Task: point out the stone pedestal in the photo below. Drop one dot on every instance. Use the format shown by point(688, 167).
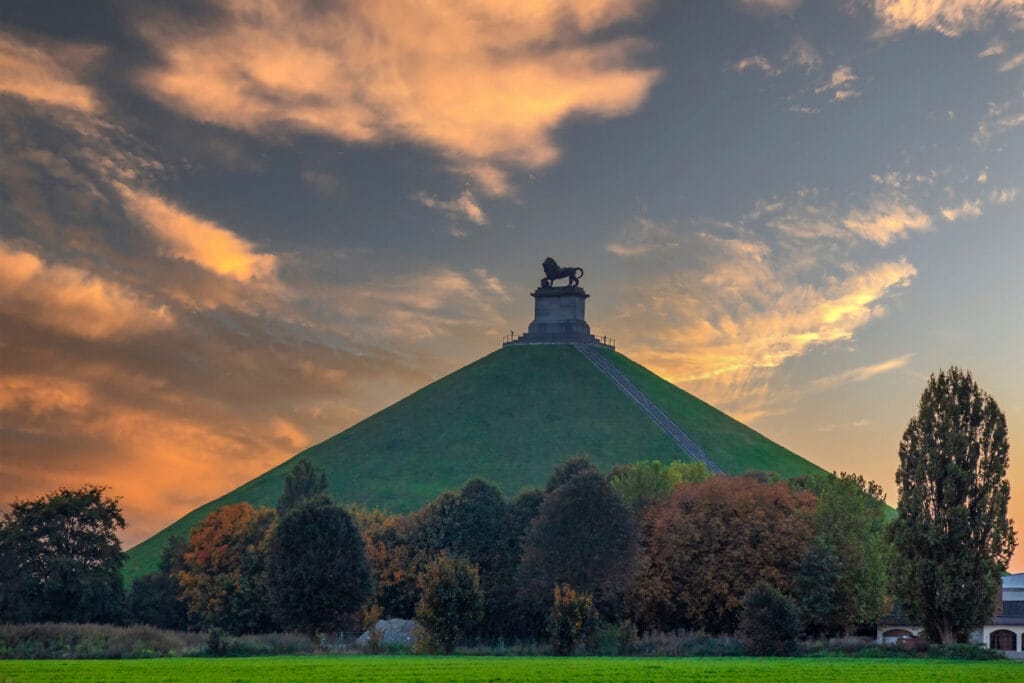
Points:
point(559, 317)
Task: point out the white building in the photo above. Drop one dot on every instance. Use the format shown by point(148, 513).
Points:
point(1004, 631)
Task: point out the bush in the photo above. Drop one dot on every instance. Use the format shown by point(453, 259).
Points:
point(573, 619)
point(93, 641)
point(451, 602)
point(963, 651)
point(770, 622)
point(686, 644)
point(614, 639)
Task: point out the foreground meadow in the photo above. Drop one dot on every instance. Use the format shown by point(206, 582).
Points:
point(420, 668)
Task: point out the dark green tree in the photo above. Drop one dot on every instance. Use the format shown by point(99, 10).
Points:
point(951, 537)
point(155, 598)
point(305, 480)
point(60, 558)
point(317, 572)
point(583, 536)
point(451, 601)
point(770, 622)
point(476, 523)
point(850, 537)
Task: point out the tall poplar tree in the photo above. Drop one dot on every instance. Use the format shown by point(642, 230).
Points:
point(952, 537)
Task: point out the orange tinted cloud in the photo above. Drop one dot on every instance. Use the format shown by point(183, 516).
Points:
point(949, 17)
point(47, 72)
point(183, 235)
point(485, 83)
point(72, 300)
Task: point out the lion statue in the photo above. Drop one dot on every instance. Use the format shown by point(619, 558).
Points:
point(552, 272)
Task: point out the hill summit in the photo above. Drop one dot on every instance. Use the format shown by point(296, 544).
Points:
point(509, 418)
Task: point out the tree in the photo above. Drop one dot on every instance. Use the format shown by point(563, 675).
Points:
point(849, 545)
point(222, 579)
point(583, 536)
point(305, 480)
point(60, 558)
point(392, 562)
point(770, 623)
point(317, 570)
point(572, 621)
point(451, 603)
point(476, 523)
point(952, 538)
point(711, 543)
point(154, 598)
point(649, 481)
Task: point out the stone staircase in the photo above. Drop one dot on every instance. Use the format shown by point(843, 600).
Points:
point(695, 452)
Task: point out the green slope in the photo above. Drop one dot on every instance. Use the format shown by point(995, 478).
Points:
point(509, 418)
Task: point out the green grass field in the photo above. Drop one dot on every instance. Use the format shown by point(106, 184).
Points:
point(410, 668)
point(508, 418)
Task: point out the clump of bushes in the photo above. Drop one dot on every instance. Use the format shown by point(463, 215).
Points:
point(221, 644)
point(573, 619)
point(687, 644)
point(770, 623)
point(93, 641)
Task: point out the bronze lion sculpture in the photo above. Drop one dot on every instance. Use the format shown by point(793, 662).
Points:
point(552, 272)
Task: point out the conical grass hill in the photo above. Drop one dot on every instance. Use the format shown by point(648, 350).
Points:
point(508, 418)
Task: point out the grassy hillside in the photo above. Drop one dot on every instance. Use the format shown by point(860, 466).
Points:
point(509, 418)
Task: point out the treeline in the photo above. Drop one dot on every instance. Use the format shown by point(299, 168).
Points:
point(643, 548)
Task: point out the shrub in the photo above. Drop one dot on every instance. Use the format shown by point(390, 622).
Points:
point(963, 651)
point(451, 603)
point(770, 622)
point(93, 641)
point(687, 644)
point(614, 639)
point(572, 621)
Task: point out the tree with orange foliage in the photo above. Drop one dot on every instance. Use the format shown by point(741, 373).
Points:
point(710, 543)
point(222, 580)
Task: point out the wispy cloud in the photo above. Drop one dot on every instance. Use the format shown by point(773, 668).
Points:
point(48, 72)
point(1000, 118)
point(948, 17)
point(203, 242)
point(1013, 62)
point(862, 373)
point(641, 236)
point(886, 219)
point(72, 300)
point(769, 6)
point(464, 206)
point(994, 48)
point(968, 209)
point(839, 84)
point(756, 62)
point(487, 90)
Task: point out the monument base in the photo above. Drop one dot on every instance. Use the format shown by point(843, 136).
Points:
point(559, 317)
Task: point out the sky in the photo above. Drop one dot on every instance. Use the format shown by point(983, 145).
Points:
point(229, 230)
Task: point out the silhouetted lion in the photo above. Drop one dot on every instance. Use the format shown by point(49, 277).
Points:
point(553, 272)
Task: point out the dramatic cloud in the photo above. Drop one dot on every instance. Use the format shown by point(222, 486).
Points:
point(487, 89)
point(886, 219)
point(48, 72)
point(464, 206)
point(72, 300)
point(203, 242)
point(949, 17)
point(745, 312)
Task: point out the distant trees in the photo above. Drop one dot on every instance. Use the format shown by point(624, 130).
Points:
point(649, 481)
point(451, 602)
point(222, 578)
point(952, 538)
point(317, 572)
point(583, 536)
point(710, 543)
point(60, 558)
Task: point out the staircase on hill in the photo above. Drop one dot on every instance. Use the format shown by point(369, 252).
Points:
point(695, 452)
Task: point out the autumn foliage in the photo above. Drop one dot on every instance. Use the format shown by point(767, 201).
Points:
point(710, 543)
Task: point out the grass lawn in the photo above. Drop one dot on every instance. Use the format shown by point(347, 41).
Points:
point(418, 668)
